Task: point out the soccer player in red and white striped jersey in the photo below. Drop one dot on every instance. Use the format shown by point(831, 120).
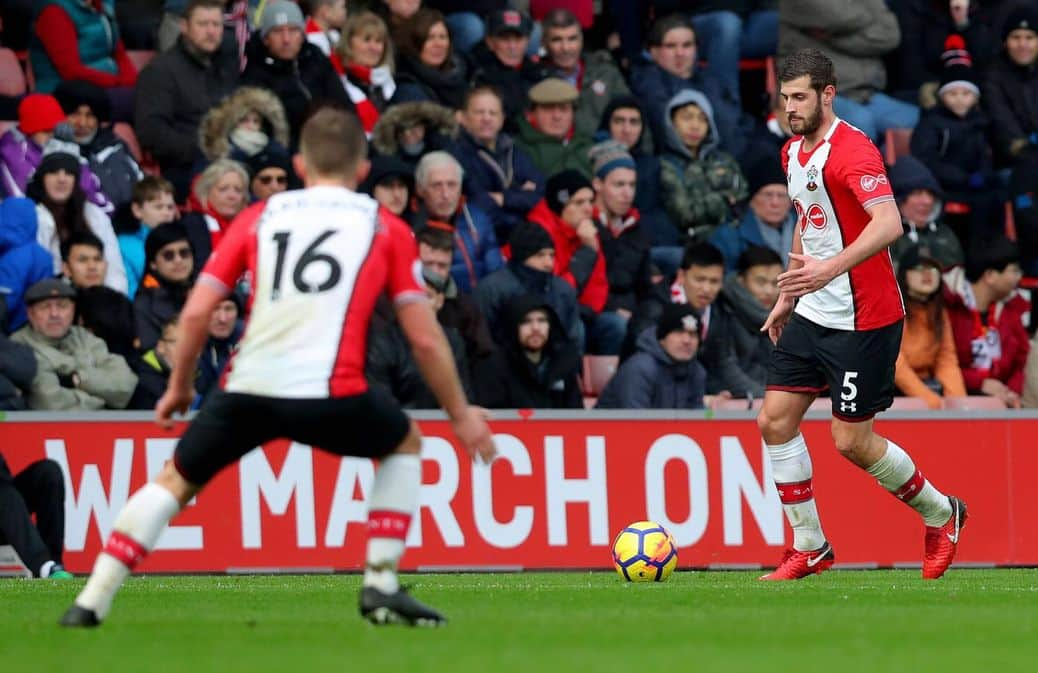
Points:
point(837, 324)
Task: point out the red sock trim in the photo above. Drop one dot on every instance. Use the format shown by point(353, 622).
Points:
point(125, 549)
point(911, 488)
point(795, 492)
point(385, 523)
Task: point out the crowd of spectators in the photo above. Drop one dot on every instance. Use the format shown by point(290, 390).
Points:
point(579, 184)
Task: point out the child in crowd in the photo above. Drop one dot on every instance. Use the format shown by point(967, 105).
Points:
point(699, 182)
point(152, 204)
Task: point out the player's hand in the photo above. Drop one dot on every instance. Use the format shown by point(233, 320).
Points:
point(472, 431)
point(176, 399)
point(778, 317)
point(812, 274)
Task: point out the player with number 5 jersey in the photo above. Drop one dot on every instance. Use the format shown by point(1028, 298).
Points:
point(837, 324)
point(318, 259)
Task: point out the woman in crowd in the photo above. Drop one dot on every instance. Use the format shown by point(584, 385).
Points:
point(219, 193)
point(429, 69)
point(365, 59)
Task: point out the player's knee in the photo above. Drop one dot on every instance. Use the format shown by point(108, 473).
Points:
point(775, 428)
point(170, 479)
point(412, 443)
point(849, 440)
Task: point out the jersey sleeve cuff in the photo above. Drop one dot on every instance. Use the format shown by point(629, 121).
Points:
point(876, 201)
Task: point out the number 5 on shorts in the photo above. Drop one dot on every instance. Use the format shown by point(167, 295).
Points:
point(849, 391)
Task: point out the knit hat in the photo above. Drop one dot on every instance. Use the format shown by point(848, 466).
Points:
point(958, 66)
point(677, 317)
point(916, 255)
point(1021, 18)
point(562, 186)
point(384, 167)
point(71, 94)
point(609, 155)
point(60, 160)
point(766, 170)
point(271, 156)
point(527, 239)
point(39, 112)
point(552, 91)
point(281, 13)
point(161, 236)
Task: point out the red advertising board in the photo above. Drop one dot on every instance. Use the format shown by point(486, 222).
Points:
point(555, 498)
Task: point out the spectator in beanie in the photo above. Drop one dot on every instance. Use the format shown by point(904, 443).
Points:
point(391, 182)
point(63, 209)
point(270, 172)
point(1011, 89)
point(664, 372)
point(918, 198)
point(89, 116)
point(22, 148)
point(171, 265)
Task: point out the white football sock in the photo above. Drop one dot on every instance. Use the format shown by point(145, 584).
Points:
point(136, 530)
point(896, 472)
point(394, 500)
point(791, 469)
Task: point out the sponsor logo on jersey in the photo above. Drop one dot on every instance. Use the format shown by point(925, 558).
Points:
point(870, 182)
point(816, 216)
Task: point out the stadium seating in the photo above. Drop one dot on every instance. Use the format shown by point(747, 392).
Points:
point(598, 369)
point(12, 77)
point(896, 143)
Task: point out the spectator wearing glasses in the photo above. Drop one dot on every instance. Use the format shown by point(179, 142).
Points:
point(270, 173)
point(171, 270)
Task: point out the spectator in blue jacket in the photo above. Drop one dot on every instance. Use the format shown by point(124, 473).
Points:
point(23, 261)
point(770, 220)
point(438, 179)
point(500, 178)
point(664, 372)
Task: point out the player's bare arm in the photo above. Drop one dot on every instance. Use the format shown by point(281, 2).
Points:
point(433, 355)
point(193, 328)
point(813, 274)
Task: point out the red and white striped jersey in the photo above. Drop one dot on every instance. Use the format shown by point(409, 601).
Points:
point(319, 258)
point(831, 188)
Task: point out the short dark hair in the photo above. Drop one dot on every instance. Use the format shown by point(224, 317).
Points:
point(701, 254)
point(995, 255)
point(482, 89)
point(193, 5)
point(560, 17)
point(437, 239)
point(668, 23)
point(81, 237)
point(811, 62)
point(150, 187)
point(109, 315)
point(757, 255)
point(332, 142)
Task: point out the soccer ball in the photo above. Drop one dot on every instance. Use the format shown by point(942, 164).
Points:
point(644, 552)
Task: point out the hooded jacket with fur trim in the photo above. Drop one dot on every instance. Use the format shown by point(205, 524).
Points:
point(215, 130)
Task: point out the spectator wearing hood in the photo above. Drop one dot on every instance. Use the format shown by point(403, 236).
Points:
point(225, 329)
point(171, 267)
point(1011, 89)
point(530, 270)
point(918, 198)
point(391, 182)
point(409, 131)
point(747, 298)
point(988, 317)
point(63, 209)
point(247, 123)
point(547, 133)
point(88, 114)
point(22, 147)
point(536, 366)
point(23, 261)
point(108, 315)
point(500, 178)
point(927, 365)
point(699, 182)
point(770, 221)
point(664, 372)
point(501, 61)
point(298, 73)
point(566, 212)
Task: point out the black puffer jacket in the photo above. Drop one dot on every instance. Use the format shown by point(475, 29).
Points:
point(628, 267)
point(513, 83)
point(391, 365)
point(1010, 95)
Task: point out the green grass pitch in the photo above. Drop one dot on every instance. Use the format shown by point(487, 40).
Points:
point(981, 621)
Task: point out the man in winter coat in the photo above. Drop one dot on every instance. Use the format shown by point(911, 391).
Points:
point(989, 319)
point(177, 88)
point(919, 199)
point(548, 135)
point(1011, 89)
point(225, 330)
point(530, 270)
point(664, 373)
point(75, 370)
point(23, 261)
point(501, 61)
point(280, 59)
point(536, 366)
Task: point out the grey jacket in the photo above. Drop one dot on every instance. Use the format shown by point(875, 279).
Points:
point(855, 34)
point(105, 380)
point(650, 379)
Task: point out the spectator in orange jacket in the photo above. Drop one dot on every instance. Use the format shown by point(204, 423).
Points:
point(565, 212)
point(988, 321)
point(927, 365)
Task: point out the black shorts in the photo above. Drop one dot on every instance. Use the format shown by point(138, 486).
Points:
point(229, 425)
point(856, 366)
